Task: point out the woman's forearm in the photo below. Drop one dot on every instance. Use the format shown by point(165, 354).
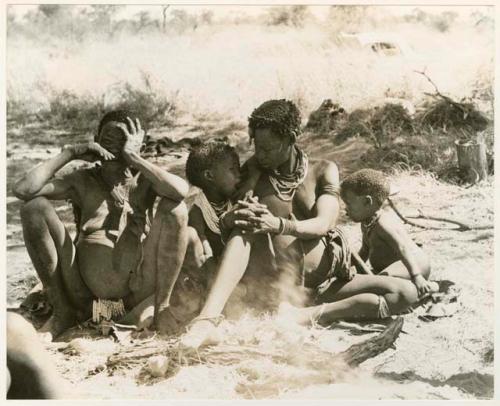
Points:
point(32, 182)
point(164, 183)
point(310, 228)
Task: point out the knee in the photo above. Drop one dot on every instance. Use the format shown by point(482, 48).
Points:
point(173, 212)
point(192, 235)
point(36, 208)
point(246, 237)
point(407, 293)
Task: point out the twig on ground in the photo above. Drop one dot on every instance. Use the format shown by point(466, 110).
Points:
point(461, 226)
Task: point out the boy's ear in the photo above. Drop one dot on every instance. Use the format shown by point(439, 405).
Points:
point(208, 175)
point(369, 200)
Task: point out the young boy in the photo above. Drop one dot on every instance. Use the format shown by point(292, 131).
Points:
point(214, 167)
point(386, 243)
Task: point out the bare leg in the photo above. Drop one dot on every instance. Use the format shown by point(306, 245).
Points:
point(142, 314)
point(31, 369)
point(232, 266)
point(359, 299)
point(377, 284)
point(164, 251)
point(399, 270)
point(52, 252)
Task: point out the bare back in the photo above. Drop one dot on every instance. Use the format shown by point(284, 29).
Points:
point(381, 251)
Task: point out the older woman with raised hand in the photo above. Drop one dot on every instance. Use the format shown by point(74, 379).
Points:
point(121, 251)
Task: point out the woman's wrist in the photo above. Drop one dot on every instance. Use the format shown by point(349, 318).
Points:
point(281, 225)
point(287, 227)
point(414, 276)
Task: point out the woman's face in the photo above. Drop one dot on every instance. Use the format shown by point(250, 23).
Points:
point(112, 138)
point(270, 149)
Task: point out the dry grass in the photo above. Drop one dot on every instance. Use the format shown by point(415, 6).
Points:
point(256, 63)
point(262, 356)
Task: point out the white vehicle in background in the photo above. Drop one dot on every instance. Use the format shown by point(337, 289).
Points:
point(390, 46)
point(387, 44)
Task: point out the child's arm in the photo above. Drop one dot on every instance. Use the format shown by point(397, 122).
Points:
point(203, 250)
point(363, 255)
point(398, 239)
point(364, 251)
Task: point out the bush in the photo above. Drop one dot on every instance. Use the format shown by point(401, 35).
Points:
point(154, 108)
point(294, 16)
point(70, 110)
point(389, 122)
point(83, 112)
point(381, 125)
point(424, 142)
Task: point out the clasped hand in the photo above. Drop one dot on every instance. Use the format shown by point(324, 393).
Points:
point(252, 217)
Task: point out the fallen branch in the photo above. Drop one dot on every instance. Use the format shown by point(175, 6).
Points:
point(358, 353)
point(461, 226)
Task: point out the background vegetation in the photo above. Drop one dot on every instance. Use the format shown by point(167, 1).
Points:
point(68, 64)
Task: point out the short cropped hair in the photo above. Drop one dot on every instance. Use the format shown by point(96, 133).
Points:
point(281, 116)
point(119, 116)
point(367, 182)
point(205, 156)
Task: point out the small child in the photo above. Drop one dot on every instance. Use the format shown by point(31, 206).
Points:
point(386, 243)
point(214, 167)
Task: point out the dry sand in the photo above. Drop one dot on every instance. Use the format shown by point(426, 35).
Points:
point(450, 358)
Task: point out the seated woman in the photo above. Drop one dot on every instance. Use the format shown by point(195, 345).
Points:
point(297, 209)
point(122, 250)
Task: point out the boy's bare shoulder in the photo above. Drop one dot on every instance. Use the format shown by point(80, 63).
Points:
point(388, 222)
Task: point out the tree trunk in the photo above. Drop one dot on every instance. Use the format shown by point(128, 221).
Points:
point(472, 160)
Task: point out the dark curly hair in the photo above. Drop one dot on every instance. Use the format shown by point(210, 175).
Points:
point(204, 156)
point(119, 116)
point(281, 116)
point(367, 182)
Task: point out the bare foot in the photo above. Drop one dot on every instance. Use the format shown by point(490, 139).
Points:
point(201, 333)
point(434, 287)
point(56, 325)
point(294, 314)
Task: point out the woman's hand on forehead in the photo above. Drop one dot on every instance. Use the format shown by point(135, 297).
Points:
point(134, 134)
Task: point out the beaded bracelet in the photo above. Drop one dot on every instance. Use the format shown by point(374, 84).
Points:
point(281, 227)
point(287, 226)
point(290, 227)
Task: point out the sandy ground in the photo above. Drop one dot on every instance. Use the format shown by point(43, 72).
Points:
point(449, 358)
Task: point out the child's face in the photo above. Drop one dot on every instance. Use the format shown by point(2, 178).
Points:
point(226, 176)
point(358, 208)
